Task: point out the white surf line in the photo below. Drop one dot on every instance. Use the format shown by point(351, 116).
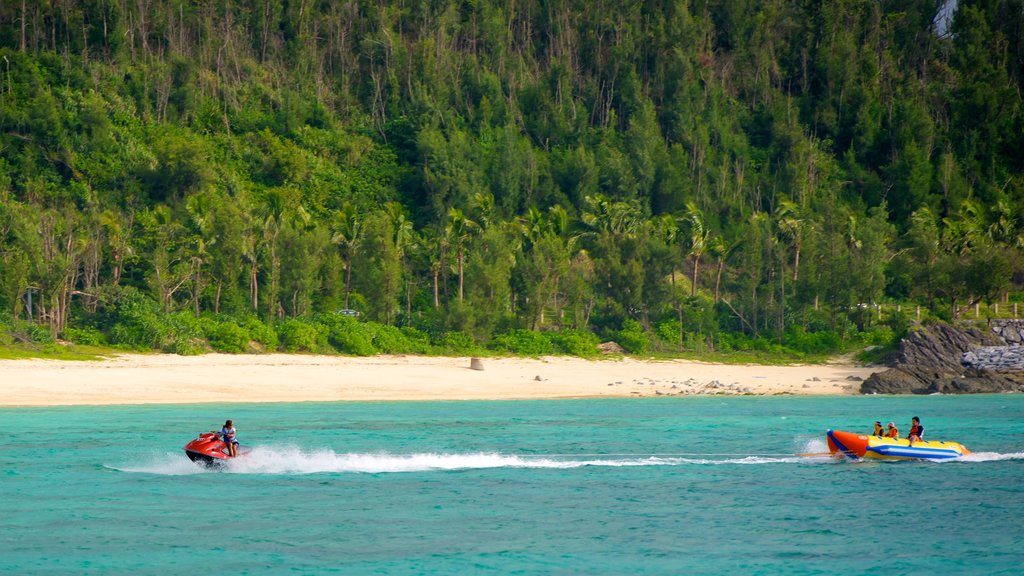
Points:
point(656, 455)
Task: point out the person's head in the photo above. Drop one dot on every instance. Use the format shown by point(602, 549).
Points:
point(878, 423)
point(229, 424)
point(892, 424)
point(915, 420)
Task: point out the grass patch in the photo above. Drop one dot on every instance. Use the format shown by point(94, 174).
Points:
point(741, 357)
point(55, 352)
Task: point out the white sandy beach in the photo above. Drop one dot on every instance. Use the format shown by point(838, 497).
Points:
point(170, 379)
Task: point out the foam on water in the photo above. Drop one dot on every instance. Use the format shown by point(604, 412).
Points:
point(991, 456)
point(293, 460)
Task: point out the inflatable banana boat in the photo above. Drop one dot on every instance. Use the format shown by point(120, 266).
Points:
point(853, 445)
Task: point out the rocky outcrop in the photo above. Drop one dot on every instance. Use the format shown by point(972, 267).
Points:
point(931, 360)
point(1011, 331)
point(995, 358)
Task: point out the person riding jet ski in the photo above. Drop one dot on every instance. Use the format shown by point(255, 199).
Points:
point(227, 433)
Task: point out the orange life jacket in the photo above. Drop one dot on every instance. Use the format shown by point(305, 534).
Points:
point(894, 432)
point(914, 431)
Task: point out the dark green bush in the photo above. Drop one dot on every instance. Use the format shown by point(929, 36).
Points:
point(302, 336)
point(740, 342)
point(391, 340)
point(261, 333)
point(185, 334)
point(525, 342)
point(458, 343)
point(226, 336)
point(85, 336)
point(37, 333)
point(348, 335)
point(825, 342)
point(580, 343)
point(879, 336)
point(136, 321)
point(633, 338)
point(419, 340)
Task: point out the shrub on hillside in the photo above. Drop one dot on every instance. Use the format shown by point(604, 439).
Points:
point(261, 333)
point(880, 336)
point(348, 335)
point(85, 336)
point(135, 321)
point(391, 340)
point(298, 335)
point(457, 343)
point(582, 343)
point(418, 339)
point(633, 338)
point(727, 342)
point(825, 342)
point(526, 342)
point(185, 335)
point(36, 333)
point(226, 336)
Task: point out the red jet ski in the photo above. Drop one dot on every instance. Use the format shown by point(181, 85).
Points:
point(209, 449)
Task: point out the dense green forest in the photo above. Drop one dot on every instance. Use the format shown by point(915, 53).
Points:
point(520, 174)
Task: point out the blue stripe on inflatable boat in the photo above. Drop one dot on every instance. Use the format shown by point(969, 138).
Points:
point(911, 452)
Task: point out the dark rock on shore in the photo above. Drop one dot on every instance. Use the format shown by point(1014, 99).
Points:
point(931, 360)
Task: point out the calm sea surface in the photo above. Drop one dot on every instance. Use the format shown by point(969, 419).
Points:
point(631, 486)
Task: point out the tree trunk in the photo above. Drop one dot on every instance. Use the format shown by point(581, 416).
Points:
point(23, 18)
point(460, 273)
point(796, 263)
point(444, 276)
point(348, 280)
point(254, 287)
point(718, 278)
point(680, 309)
point(782, 299)
point(197, 286)
point(408, 301)
point(437, 300)
point(275, 275)
point(693, 288)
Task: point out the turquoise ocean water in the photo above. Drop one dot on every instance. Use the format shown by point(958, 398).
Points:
point(631, 486)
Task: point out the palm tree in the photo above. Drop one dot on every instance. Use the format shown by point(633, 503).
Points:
point(405, 238)
point(1005, 227)
point(699, 235)
point(605, 215)
point(273, 215)
point(348, 233)
point(964, 232)
point(250, 246)
point(721, 249)
point(119, 234)
point(791, 225)
point(458, 231)
point(200, 214)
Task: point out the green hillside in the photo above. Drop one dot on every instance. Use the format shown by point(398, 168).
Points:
point(525, 175)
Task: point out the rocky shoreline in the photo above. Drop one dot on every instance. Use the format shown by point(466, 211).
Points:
point(943, 359)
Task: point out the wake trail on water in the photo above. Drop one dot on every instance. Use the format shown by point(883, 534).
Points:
point(991, 457)
point(295, 460)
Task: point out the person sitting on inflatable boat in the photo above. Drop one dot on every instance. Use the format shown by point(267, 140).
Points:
point(879, 431)
point(916, 433)
point(893, 431)
point(228, 434)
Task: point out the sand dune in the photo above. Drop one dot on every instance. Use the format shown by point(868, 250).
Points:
point(160, 379)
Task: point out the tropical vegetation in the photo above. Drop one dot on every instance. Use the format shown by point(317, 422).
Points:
point(530, 176)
